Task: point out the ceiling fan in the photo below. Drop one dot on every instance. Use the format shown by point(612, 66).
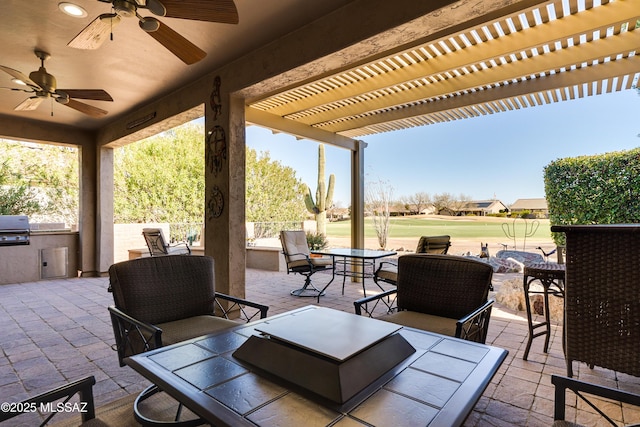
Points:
point(43, 86)
point(94, 34)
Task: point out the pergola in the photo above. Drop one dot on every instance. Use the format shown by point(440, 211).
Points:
point(342, 71)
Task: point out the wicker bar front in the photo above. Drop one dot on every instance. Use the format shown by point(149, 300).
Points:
point(602, 296)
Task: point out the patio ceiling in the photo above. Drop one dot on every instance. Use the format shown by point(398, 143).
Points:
point(556, 51)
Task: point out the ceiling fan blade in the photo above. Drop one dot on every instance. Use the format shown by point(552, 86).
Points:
point(87, 109)
point(95, 94)
point(30, 104)
point(178, 45)
point(94, 34)
point(17, 89)
point(202, 10)
point(19, 76)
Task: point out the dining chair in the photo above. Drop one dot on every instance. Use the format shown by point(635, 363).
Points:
point(446, 294)
point(299, 260)
point(387, 271)
point(158, 245)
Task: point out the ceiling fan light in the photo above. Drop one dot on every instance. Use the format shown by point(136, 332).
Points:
point(72, 10)
point(149, 24)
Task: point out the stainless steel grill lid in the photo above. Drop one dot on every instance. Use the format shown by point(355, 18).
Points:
point(14, 230)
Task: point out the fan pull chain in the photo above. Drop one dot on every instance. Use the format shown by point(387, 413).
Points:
point(51, 107)
point(111, 25)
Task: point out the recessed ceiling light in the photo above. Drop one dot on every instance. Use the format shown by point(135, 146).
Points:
point(72, 10)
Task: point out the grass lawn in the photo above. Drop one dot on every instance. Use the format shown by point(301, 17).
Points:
point(456, 227)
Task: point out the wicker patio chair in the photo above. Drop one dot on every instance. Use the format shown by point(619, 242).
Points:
point(602, 307)
point(165, 300)
point(158, 246)
point(388, 270)
point(299, 261)
point(445, 294)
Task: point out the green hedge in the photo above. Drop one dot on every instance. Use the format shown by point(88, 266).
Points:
point(600, 189)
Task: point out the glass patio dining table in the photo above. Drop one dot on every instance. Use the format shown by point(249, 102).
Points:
point(358, 264)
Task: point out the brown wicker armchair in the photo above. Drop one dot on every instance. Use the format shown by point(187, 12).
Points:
point(164, 300)
point(602, 307)
point(440, 293)
point(388, 270)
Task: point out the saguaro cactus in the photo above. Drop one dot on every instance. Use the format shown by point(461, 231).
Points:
point(324, 195)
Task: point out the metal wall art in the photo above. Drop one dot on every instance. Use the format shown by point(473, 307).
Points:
point(215, 100)
point(216, 202)
point(216, 149)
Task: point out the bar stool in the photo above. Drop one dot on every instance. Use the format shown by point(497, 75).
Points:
point(551, 276)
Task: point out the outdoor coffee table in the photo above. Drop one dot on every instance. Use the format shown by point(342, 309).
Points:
point(353, 263)
point(437, 384)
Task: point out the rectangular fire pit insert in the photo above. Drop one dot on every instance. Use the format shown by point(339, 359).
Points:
point(331, 353)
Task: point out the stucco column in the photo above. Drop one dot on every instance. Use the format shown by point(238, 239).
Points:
point(104, 212)
point(87, 158)
point(225, 232)
point(357, 195)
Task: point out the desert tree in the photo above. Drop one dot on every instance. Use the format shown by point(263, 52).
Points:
point(418, 201)
point(379, 197)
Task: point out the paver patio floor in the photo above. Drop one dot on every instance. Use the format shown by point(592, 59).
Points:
point(56, 331)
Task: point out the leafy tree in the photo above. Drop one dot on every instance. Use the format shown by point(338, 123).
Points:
point(161, 178)
point(39, 180)
point(274, 193)
point(16, 197)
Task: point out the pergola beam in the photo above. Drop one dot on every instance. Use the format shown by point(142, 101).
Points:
point(299, 130)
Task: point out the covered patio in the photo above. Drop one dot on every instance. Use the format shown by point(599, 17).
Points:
point(332, 72)
point(58, 331)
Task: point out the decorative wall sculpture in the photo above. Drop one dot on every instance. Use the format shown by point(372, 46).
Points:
point(216, 149)
point(215, 101)
point(215, 206)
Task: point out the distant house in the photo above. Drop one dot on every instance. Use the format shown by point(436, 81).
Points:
point(537, 207)
point(482, 207)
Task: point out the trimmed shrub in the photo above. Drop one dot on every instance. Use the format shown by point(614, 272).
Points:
point(600, 189)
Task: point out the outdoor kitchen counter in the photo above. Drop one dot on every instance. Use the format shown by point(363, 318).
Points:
point(23, 263)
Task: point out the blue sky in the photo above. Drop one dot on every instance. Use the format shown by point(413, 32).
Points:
point(501, 154)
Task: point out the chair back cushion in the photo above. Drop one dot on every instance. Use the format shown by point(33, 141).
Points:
point(442, 285)
point(164, 289)
point(294, 245)
point(433, 245)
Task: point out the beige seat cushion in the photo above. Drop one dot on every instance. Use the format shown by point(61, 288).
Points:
point(184, 329)
point(388, 272)
point(322, 261)
point(426, 322)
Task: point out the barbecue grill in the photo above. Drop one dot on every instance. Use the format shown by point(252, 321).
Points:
point(14, 230)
